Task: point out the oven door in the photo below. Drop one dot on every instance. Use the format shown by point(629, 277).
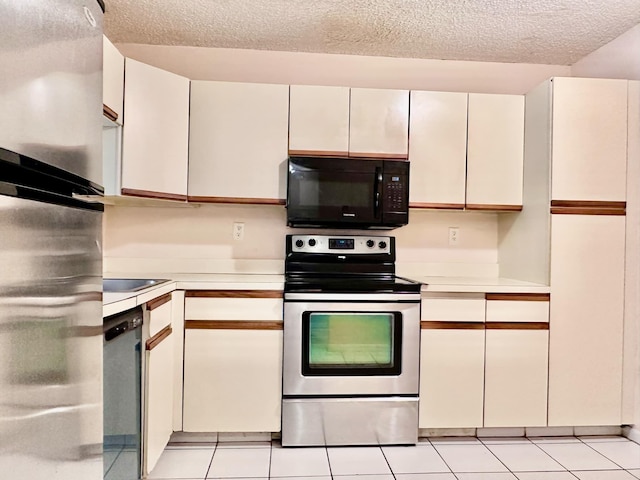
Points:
point(339, 347)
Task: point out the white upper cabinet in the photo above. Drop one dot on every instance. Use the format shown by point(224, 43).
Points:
point(589, 139)
point(379, 124)
point(238, 142)
point(112, 80)
point(319, 120)
point(495, 151)
point(156, 134)
point(438, 149)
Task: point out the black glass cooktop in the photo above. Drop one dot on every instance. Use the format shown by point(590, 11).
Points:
point(350, 284)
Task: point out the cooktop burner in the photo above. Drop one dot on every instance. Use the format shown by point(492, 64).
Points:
point(340, 263)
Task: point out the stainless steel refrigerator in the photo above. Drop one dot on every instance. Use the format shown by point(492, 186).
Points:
point(50, 240)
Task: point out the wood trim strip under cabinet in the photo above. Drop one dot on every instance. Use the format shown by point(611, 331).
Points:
point(517, 326)
point(520, 297)
point(158, 302)
point(587, 207)
point(132, 192)
point(233, 325)
point(493, 208)
point(154, 341)
point(109, 113)
point(435, 325)
point(437, 206)
point(317, 153)
point(234, 294)
point(238, 200)
point(385, 156)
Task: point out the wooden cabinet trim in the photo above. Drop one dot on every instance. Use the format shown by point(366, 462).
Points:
point(517, 326)
point(109, 113)
point(318, 153)
point(154, 341)
point(437, 206)
point(588, 207)
point(234, 294)
point(385, 156)
point(158, 302)
point(132, 192)
point(493, 208)
point(238, 200)
point(519, 297)
point(435, 325)
point(233, 325)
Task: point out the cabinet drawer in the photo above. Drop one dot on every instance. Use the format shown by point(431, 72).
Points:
point(517, 311)
point(453, 308)
point(233, 309)
point(160, 310)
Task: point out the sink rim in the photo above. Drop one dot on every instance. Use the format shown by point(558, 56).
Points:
point(142, 284)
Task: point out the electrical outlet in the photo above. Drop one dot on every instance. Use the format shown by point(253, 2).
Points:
point(454, 235)
point(238, 231)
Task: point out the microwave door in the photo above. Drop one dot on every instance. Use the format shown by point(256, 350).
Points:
point(323, 198)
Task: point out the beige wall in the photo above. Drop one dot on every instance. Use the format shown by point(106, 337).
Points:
point(619, 58)
point(259, 66)
point(187, 238)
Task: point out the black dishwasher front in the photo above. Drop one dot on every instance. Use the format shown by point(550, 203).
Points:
point(122, 357)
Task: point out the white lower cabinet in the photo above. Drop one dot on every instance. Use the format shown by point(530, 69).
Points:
point(451, 378)
point(159, 381)
point(232, 380)
point(516, 364)
point(587, 308)
point(233, 361)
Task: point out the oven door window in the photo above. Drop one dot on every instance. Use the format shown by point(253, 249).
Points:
point(351, 343)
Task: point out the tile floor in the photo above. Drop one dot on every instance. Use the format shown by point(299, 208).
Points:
point(538, 458)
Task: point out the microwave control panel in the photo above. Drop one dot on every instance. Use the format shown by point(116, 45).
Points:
point(395, 193)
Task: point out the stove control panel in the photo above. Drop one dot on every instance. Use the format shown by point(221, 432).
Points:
point(338, 244)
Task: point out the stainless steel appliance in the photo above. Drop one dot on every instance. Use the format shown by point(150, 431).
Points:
point(347, 193)
point(50, 241)
point(351, 343)
point(122, 354)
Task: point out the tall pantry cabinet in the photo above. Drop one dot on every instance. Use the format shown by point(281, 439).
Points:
point(584, 128)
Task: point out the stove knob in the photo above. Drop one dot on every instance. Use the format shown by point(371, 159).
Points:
point(299, 243)
point(312, 242)
point(370, 243)
point(382, 244)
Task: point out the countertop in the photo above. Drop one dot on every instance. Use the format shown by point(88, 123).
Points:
point(118, 302)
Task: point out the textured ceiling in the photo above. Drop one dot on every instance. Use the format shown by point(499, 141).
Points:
point(530, 31)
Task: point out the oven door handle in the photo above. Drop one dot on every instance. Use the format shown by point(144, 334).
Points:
point(353, 297)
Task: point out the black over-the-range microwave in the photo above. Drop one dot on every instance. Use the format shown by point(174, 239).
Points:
point(341, 192)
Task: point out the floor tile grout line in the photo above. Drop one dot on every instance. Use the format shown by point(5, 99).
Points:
point(215, 448)
point(388, 464)
point(496, 457)
point(270, 457)
point(601, 454)
point(442, 458)
point(326, 451)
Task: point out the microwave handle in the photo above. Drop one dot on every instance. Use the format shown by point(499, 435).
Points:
point(377, 193)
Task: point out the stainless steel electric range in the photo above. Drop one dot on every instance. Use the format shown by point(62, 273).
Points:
point(351, 343)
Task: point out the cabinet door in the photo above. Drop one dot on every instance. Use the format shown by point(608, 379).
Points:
point(379, 124)
point(587, 288)
point(515, 377)
point(232, 380)
point(451, 377)
point(319, 120)
point(495, 151)
point(158, 424)
point(155, 136)
point(438, 149)
point(112, 80)
point(589, 141)
point(238, 142)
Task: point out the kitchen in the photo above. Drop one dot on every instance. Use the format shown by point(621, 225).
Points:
point(179, 239)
